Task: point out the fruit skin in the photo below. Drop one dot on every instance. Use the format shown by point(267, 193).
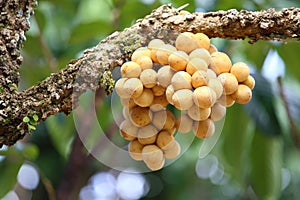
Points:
point(153, 157)
point(135, 150)
point(158, 90)
point(144, 62)
point(140, 116)
point(204, 129)
point(218, 111)
point(163, 120)
point(148, 78)
point(159, 103)
point(164, 138)
point(130, 70)
point(147, 134)
point(181, 80)
point(163, 52)
point(229, 82)
point(184, 123)
point(199, 79)
point(221, 63)
point(183, 99)
point(202, 40)
point(201, 53)
point(198, 114)
point(242, 95)
point(164, 76)
point(119, 86)
point(172, 150)
point(216, 85)
point(250, 82)
point(142, 51)
point(169, 94)
point(204, 97)
point(226, 100)
point(128, 130)
point(145, 99)
point(212, 49)
point(196, 64)
point(186, 42)
point(133, 88)
point(241, 71)
point(178, 60)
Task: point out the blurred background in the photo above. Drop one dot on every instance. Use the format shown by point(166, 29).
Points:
point(256, 157)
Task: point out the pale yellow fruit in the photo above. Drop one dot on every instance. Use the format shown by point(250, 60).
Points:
point(216, 85)
point(133, 88)
point(164, 76)
point(127, 130)
point(242, 95)
point(119, 86)
point(218, 111)
point(184, 12)
point(250, 82)
point(181, 80)
point(183, 123)
point(140, 116)
point(186, 42)
point(127, 102)
point(212, 49)
point(135, 150)
point(241, 71)
point(199, 79)
point(170, 121)
point(144, 62)
point(153, 46)
point(163, 119)
point(153, 157)
point(204, 97)
point(172, 150)
point(169, 93)
point(196, 64)
point(164, 138)
point(183, 99)
point(130, 70)
point(142, 51)
point(159, 103)
point(158, 90)
point(210, 74)
point(148, 78)
point(198, 114)
point(147, 134)
point(126, 112)
point(178, 60)
point(229, 82)
point(145, 99)
point(202, 40)
point(221, 63)
point(226, 100)
point(201, 53)
point(163, 52)
point(204, 129)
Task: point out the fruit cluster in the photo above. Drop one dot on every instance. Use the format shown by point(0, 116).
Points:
point(193, 77)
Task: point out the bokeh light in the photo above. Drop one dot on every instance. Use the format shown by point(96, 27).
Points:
point(12, 195)
point(28, 177)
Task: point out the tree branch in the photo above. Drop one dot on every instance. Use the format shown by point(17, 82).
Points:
point(61, 90)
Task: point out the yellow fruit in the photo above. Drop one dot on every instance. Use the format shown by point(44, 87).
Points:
point(242, 95)
point(164, 138)
point(158, 90)
point(145, 99)
point(133, 88)
point(221, 63)
point(147, 134)
point(201, 53)
point(216, 85)
point(135, 150)
point(183, 99)
point(142, 51)
point(204, 97)
point(153, 46)
point(241, 71)
point(211, 74)
point(126, 112)
point(178, 60)
point(218, 111)
point(196, 64)
point(229, 82)
point(119, 86)
point(159, 103)
point(144, 62)
point(202, 40)
point(153, 157)
point(199, 79)
point(164, 76)
point(148, 78)
point(204, 129)
point(163, 52)
point(169, 93)
point(186, 42)
point(128, 130)
point(184, 123)
point(130, 70)
point(127, 102)
point(140, 116)
point(212, 49)
point(226, 100)
point(198, 114)
point(172, 150)
point(250, 82)
point(181, 80)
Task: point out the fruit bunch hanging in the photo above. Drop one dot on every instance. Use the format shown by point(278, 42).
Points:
point(193, 77)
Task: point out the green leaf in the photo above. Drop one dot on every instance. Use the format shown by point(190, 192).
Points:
point(266, 164)
point(30, 152)
point(35, 118)
point(26, 119)
point(31, 127)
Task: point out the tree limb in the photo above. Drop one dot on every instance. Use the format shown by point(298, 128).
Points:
point(60, 91)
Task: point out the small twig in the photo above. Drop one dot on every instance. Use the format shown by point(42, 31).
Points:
point(293, 129)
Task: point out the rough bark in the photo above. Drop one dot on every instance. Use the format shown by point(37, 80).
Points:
point(59, 91)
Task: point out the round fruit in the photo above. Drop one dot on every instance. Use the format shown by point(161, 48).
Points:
point(153, 157)
point(181, 80)
point(198, 114)
point(164, 76)
point(144, 62)
point(178, 60)
point(158, 90)
point(204, 129)
point(242, 95)
point(241, 71)
point(147, 134)
point(204, 97)
point(172, 150)
point(186, 42)
point(229, 82)
point(183, 99)
point(153, 46)
point(127, 102)
point(250, 82)
point(148, 78)
point(184, 123)
point(142, 51)
point(163, 53)
point(128, 130)
point(133, 88)
point(212, 49)
point(218, 111)
point(199, 79)
point(169, 94)
point(159, 103)
point(135, 150)
point(201, 53)
point(211, 74)
point(145, 99)
point(226, 100)
point(216, 85)
point(130, 70)
point(202, 40)
point(164, 138)
point(120, 87)
point(140, 116)
point(221, 63)
point(196, 64)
